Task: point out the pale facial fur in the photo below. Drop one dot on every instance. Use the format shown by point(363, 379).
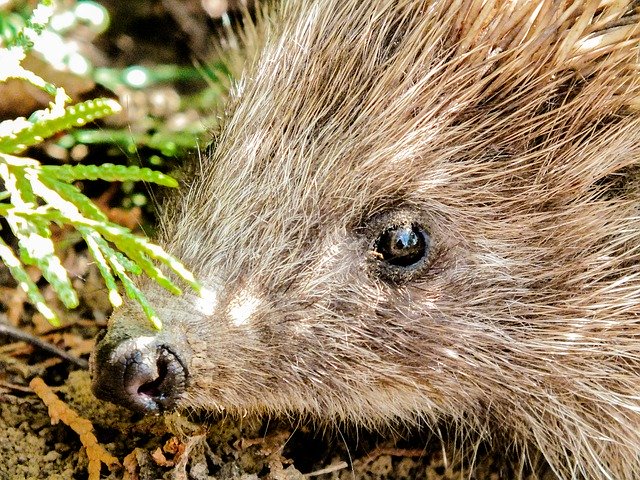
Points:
point(509, 130)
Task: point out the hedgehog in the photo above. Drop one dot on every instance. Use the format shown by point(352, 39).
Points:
point(417, 212)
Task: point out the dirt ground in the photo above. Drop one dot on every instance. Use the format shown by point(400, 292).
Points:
point(191, 445)
point(203, 447)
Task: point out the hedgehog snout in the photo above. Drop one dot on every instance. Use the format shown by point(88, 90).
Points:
point(143, 374)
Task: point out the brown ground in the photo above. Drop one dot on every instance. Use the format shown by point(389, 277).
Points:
point(204, 446)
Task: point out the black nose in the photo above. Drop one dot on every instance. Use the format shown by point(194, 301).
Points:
point(138, 374)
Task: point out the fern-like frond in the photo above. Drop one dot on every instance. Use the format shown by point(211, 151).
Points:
point(29, 184)
point(17, 135)
point(109, 173)
point(33, 235)
point(24, 281)
point(35, 197)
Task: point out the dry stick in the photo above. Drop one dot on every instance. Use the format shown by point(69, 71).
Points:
point(330, 469)
point(18, 334)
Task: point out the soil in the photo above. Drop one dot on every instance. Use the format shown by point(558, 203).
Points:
point(207, 447)
point(191, 445)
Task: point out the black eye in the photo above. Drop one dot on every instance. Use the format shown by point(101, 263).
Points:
point(402, 245)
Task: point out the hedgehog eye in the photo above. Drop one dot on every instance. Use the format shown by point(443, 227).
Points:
point(402, 245)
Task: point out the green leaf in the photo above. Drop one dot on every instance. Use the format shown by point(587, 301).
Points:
point(33, 235)
point(93, 243)
point(38, 250)
point(46, 123)
point(138, 256)
point(136, 294)
point(172, 262)
point(109, 173)
point(25, 282)
point(128, 265)
point(168, 143)
point(73, 195)
point(124, 240)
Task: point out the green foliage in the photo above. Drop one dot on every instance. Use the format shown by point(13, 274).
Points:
point(19, 134)
point(167, 143)
point(35, 196)
point(34, 25)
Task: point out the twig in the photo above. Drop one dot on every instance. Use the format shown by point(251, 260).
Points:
point(18, 334)
point(329, 469)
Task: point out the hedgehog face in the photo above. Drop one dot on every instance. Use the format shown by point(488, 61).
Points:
point(412, 215)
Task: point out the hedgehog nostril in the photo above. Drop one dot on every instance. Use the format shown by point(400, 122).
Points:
point(169, 378)
point(153, 380)
point(154, 387)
